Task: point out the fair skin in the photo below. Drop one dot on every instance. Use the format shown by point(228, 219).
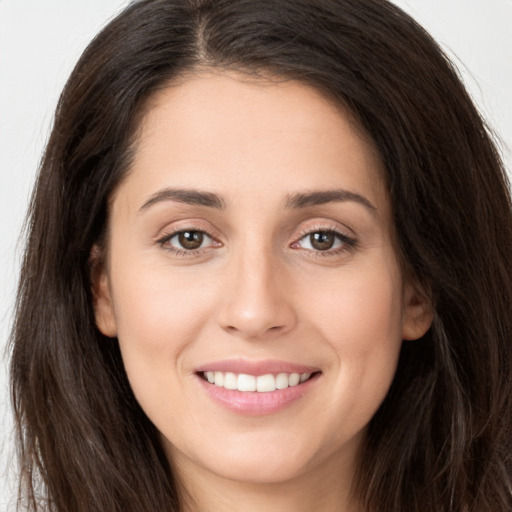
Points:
point(271, 278)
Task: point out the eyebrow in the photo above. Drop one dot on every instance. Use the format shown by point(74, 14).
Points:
point(320, 197)
point(187, 196)
point(294, 201)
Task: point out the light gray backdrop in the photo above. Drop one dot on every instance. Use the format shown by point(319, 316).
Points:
point(41, 40)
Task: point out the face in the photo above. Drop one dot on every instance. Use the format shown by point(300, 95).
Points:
point(252, 281)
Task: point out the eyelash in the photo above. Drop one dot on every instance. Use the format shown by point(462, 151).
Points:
point(348, 243)
point(184, 253)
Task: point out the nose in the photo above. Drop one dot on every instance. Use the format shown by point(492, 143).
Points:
point(257, 301)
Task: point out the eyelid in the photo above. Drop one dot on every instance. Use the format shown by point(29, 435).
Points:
point(169, 232)
point(349, 242)
point(325, 225)
point(187, 224)
point(171, 236)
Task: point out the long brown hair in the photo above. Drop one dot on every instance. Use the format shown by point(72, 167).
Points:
point(442, 438)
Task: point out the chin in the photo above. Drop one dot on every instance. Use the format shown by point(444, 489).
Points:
point(267, 458)
point(257, 470)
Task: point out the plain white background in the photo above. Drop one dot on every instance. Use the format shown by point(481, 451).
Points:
point(41, 41)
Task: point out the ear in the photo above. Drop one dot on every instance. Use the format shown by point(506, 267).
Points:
point(102, 300)
point(418, 312)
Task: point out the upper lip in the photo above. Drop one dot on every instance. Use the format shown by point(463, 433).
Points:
point(251, 367)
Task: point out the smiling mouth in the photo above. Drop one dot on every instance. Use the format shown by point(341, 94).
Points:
point(259, 384)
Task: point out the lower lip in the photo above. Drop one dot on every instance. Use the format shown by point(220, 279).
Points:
point(254, 403)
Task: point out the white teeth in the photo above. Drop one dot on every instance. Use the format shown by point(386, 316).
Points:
point(265, 383)
point(282, 381)
point(294, 379)
point(261, 383)
point(230, 381)
point(246, 382)
point(219, 379)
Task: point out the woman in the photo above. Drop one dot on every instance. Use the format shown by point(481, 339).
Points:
point(268, 268)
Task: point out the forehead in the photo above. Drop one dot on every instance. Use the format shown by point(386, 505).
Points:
point(228, 133)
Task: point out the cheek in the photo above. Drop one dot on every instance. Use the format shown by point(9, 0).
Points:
point(362, 325)
point(359, 311)
point(158, 314)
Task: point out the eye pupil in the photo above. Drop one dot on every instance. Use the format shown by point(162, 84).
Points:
point(191, 239)
point(322, 240)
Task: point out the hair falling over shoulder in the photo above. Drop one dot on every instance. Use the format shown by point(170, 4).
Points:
point(442, 438)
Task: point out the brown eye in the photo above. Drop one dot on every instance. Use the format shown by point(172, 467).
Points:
point(326, 241)
point(322, 240)
point(190, 240)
